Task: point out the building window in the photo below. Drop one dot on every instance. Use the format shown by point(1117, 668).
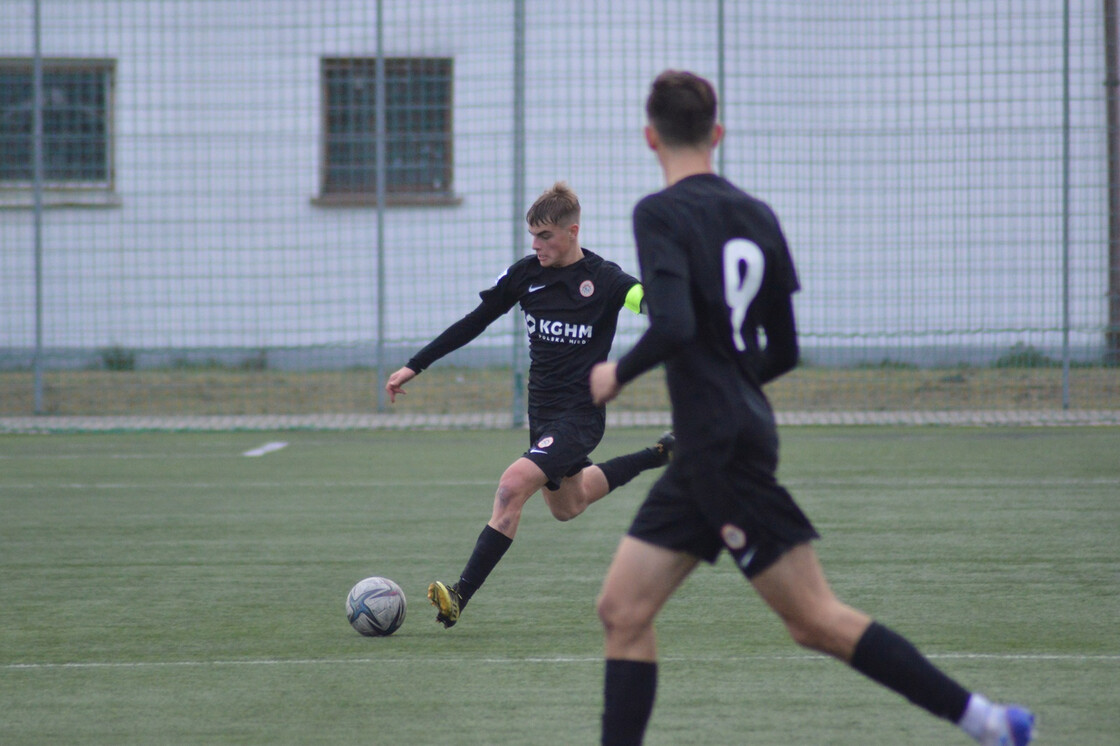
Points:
point(77, 124)
point(418, 136)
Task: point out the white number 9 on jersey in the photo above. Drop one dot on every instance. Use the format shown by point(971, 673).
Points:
point(743, 267)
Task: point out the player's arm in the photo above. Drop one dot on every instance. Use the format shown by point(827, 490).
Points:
point(396, 382)
point(665, 276)
point(782, 350)
point(455, 336)
point(655, 345)
point(626, 289)
point(635, 298)
point(777, 320)
point(671, 324)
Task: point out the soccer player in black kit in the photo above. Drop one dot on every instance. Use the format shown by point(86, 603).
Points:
point(571, 298)
point(718, 279)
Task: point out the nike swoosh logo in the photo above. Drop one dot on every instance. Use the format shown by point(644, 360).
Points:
point(535, 288)
point(746, 559)
point(537, 450)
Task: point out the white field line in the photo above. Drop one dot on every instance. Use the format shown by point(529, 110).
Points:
point(443, 660)
point(234, 484)
point(114, 456)
point(265, 449)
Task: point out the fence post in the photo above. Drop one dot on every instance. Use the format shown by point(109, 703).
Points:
point(37, 180)
point(379, 95)
point(721, 82)
point(517, 399)
point(1112, 134)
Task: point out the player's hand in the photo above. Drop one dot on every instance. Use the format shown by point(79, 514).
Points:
point(604, 383)
point(396, 382)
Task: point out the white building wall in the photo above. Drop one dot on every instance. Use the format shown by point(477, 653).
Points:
point(913, 156)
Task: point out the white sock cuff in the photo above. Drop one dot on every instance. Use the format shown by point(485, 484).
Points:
point(975, 716)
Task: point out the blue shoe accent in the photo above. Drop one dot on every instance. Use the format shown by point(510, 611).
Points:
point(1020, 725)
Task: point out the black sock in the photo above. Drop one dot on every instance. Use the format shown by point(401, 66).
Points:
point(621, 469)
point(888, 658)
point(488, 551)
point(628, 691)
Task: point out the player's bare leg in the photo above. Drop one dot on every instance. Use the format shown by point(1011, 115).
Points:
point(640, 580)
point(520, 481)
point(578, 492)
point(517, 484)
point(795, 587)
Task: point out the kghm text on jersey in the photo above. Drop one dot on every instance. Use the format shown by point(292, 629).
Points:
point(557, 331)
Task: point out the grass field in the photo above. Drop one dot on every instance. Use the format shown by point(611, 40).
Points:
point(164, 588)
point(452, 390)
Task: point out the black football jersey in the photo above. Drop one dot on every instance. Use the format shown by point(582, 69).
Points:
point(570, 313)
point(714, 262)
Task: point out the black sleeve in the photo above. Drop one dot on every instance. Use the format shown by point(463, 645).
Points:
point(653, 347)
point(460, 333)
point(665, 278)
point(624, 283)
point(782, 351)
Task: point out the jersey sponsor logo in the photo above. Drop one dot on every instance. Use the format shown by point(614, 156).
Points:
point(557, 331)
point(545, 442)
point(535, 288)
point(587, 288)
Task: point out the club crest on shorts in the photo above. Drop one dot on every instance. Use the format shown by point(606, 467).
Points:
point(587, 288)
point(734, 537)
point(545, 442)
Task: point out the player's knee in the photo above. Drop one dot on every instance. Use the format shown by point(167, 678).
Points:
point(619, 618)
point(608, 612)
point(567, 502)
point(816, 633)
point(804, 634)
point(509, 498)
point(562, 513)
point(565, 510)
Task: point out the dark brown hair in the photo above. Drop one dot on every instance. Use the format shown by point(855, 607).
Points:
point(682, 108)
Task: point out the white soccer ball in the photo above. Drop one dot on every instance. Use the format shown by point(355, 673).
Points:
point(375, 607)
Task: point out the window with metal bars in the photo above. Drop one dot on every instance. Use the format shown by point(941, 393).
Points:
point(77, 123)
point(418, 130)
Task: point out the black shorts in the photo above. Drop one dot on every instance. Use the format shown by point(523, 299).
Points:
point(561, 446)
point(701, 506)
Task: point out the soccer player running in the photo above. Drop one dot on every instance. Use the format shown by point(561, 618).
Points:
point(571, 298)
point(718, 278)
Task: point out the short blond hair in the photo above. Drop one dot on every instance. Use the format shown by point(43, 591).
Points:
point(557, 206)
